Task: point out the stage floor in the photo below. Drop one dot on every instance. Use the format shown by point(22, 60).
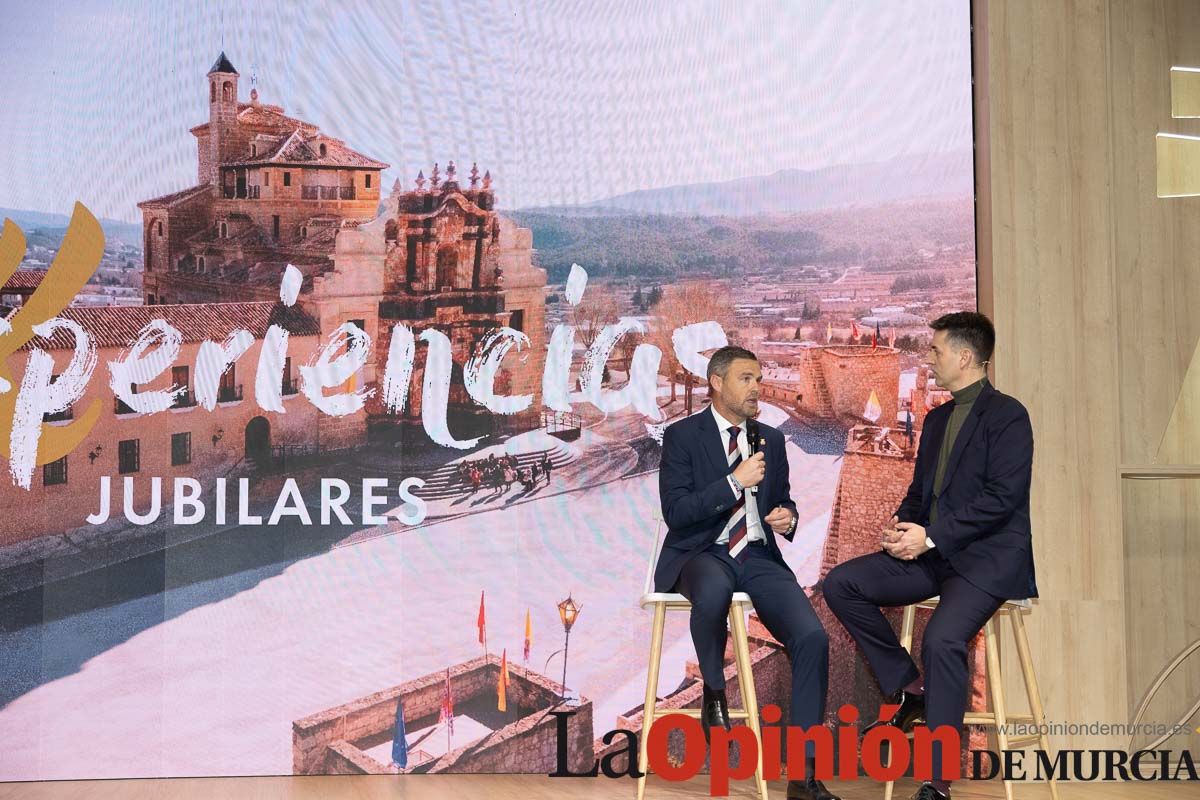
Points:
point(525, 787)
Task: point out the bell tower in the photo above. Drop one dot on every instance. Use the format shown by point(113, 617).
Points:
point(222, 115)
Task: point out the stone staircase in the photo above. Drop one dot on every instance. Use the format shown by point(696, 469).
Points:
point(822, 403)
point(829, 554)
point(817, 404)
point(443, 482)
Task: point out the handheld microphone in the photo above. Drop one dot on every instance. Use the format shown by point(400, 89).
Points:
point(755, 440)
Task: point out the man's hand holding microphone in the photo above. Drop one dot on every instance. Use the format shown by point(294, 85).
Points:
point(749, 474)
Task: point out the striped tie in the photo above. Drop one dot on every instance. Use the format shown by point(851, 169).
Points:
point(736, 526)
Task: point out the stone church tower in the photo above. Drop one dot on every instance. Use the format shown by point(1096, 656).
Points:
point(222, 119)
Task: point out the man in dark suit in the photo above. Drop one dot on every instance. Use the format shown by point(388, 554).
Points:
point(962, 532)
point(725, 496)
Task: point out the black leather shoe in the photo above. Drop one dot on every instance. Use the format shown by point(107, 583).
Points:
point(927, 792)
point(910, 712)
point(810, 789)
point(714, 711)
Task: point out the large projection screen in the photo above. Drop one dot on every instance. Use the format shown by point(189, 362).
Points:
point(386, 307)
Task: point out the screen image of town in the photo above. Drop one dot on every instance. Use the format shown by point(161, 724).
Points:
point(437, 183)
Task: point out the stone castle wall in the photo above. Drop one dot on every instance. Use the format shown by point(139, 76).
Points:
point(852, 372)
point(328, 741)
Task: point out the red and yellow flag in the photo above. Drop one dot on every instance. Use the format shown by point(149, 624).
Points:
point(528, 634)
point(502, 683)
point(481, 621)
point(447, 713)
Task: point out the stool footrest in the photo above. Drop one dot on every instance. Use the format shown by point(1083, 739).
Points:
point(986, 718)
point(1023, 741)
point(989, 718)
point(1020, 719)
point(694, 713)
point(979, 718)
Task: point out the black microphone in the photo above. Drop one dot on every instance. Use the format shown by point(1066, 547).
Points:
point(752, 436)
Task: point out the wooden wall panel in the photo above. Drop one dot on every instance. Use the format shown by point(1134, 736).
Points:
point(1096, 286)
point(1157, 260)
point(1157, 240)
point(1055, 311)
point(1162, 552)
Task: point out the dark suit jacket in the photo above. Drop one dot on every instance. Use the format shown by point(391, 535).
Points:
point(696, 497)
point(983, 512)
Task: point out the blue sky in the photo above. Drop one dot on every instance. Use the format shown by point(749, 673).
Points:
point(565, 102)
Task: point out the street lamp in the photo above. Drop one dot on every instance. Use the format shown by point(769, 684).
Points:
point(568, 611)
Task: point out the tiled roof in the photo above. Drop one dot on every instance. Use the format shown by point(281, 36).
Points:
point(168, 200)
point(321, 239)
point(257, 114)
point(261, 115)
point(299, 143)
point(24, 279)
point(270, 273)
point(118, 326)
point(248, 236)
point(303, 150)
point(222, 65)
point(268, 148)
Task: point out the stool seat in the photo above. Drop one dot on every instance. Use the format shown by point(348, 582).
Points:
point(650, 598)
point(1025, 604)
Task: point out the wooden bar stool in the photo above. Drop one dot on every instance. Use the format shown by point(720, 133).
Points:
point(998, 718)
point(662, 602)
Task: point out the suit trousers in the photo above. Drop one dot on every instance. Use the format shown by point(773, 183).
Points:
point(709, 580)
point(854, 592)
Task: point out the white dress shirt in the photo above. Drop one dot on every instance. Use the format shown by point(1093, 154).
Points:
point(754, 529)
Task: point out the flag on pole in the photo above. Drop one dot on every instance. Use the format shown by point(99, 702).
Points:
point(446, 716)
point(853, 331)
point(874, 410)
point(481, 622)
point(502, 683)
point(828, 332)
point(399, 737)
point(528, 635)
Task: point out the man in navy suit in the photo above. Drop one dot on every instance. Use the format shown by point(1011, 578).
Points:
point(725, 497)
point(962, 532)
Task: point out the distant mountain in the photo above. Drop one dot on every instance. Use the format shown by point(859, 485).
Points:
point(128, 232)
point(664, 247)
point(795, 190)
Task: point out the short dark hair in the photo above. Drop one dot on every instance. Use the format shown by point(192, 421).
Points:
point(969, 329)
point(720, 361)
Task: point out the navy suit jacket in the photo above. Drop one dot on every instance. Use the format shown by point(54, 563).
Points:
point(696, 496)
point(983, 512)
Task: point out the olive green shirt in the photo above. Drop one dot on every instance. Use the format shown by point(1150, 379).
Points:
point(964, 400)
